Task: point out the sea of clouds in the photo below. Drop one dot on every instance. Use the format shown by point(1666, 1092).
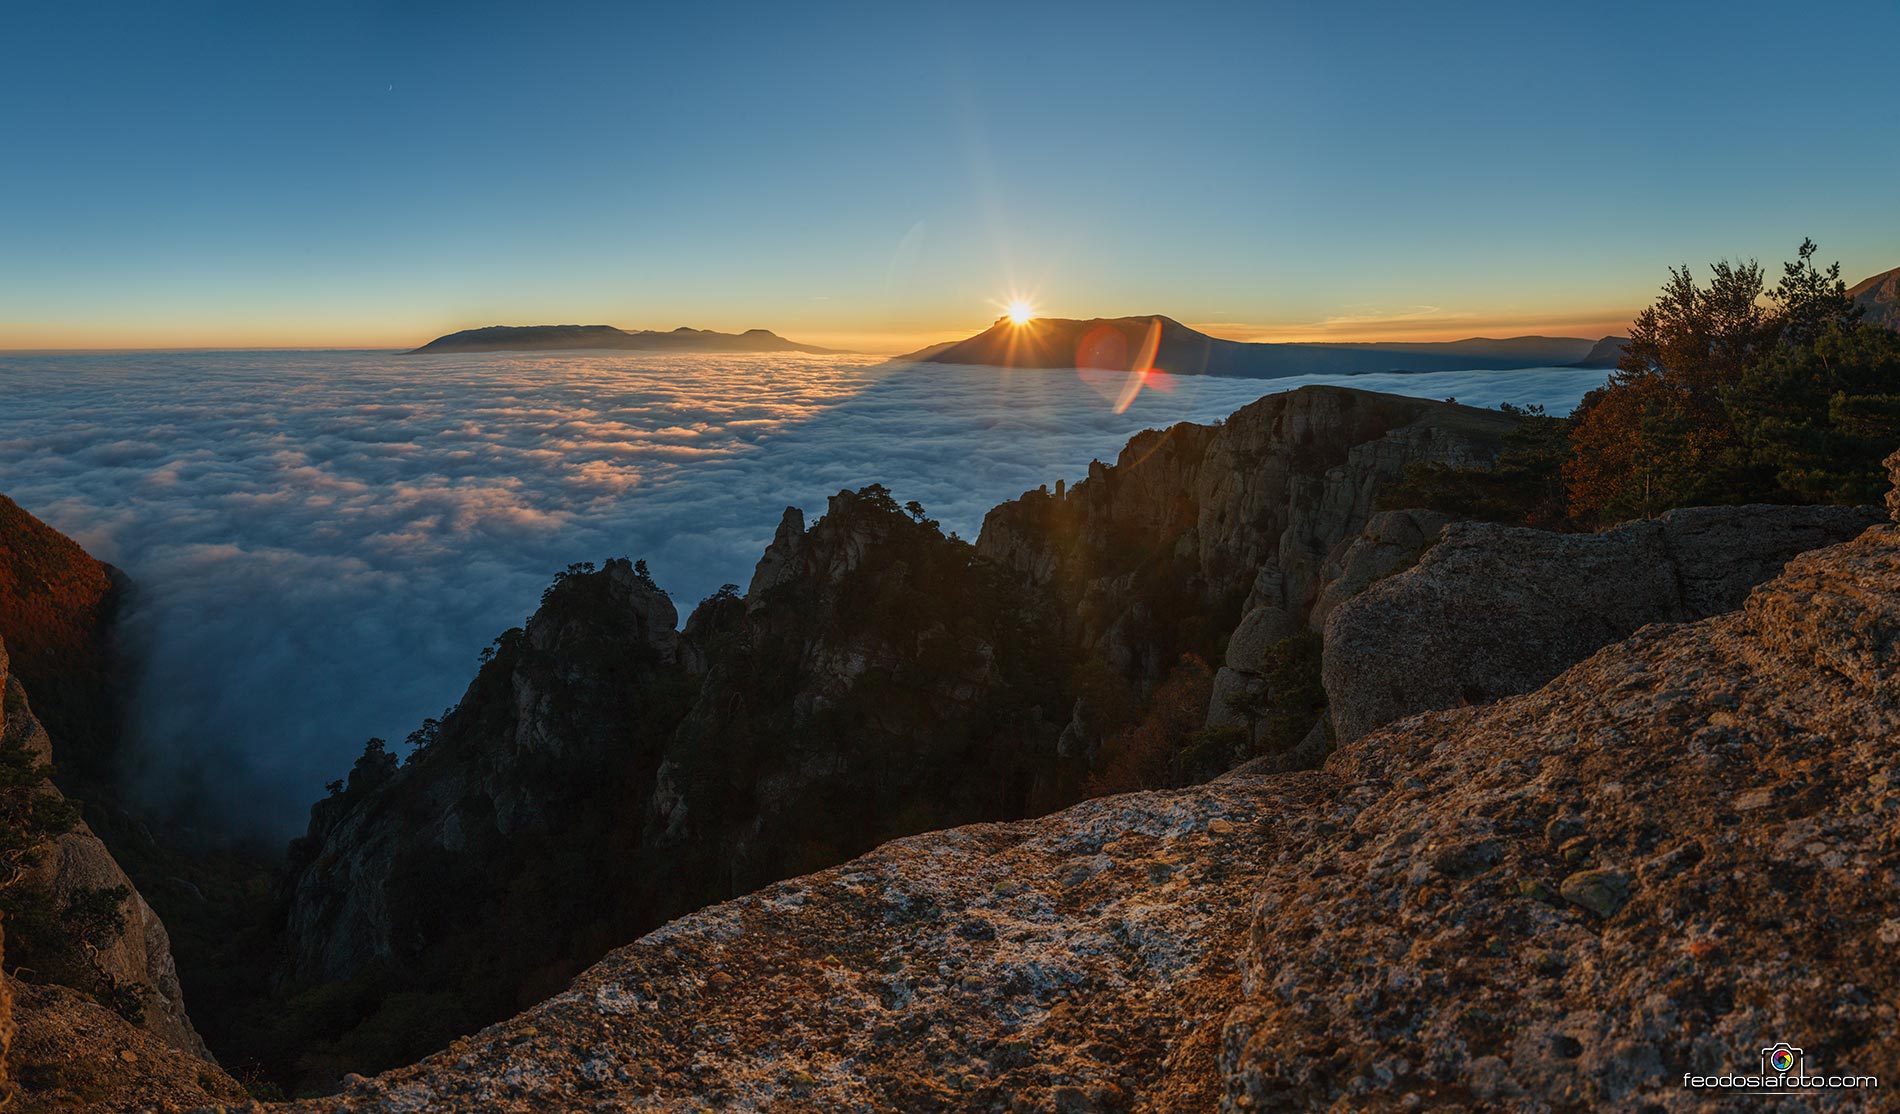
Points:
point(322, 542)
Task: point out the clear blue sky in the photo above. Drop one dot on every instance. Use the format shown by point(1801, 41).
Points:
point(297, 173)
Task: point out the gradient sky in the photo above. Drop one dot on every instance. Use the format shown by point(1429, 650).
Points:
point(881, 175)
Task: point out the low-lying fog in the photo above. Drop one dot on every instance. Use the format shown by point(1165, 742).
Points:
point(322, 542)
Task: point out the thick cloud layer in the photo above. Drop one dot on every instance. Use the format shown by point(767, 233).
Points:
point(322, 542)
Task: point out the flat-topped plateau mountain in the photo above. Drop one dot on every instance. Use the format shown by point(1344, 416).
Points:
point(565, 338)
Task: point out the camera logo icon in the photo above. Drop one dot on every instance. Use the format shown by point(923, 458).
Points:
point(1781, 1058)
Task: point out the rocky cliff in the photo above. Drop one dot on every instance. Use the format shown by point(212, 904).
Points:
point(57, 603)
point(85, 953)
point(1204, 538)
point(1493, 610)
point(605, 771)
point(1673, 854)
point(1540, 901)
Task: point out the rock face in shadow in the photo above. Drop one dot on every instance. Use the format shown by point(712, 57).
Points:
point(876, 679)
point(605, 772)
point(1492, 611)
point(119, 954)
point(1198, 531)
point(57, 603)
point(1564, 899)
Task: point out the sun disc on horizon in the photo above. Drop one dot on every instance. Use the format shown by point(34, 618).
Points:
point(1021, 312)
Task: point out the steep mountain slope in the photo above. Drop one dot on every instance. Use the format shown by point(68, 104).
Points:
point(1220, 540)
point(56, 608)
point(604, 773)
point(560, 338)
point(1675, 853)
point(1116, 343)
point(1604, 353)
point(1879, 298)
point(76, 920)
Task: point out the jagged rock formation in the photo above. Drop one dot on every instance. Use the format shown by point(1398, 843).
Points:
point(876, 679)
point(1493, 610)
point(605, 772)
point(1198, 531)
point(1673, 854)
point(127, 957)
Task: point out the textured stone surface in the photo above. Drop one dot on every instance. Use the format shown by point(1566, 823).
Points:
point(1239, 526)
point(73, 1057)
point(1680, 850)
point(1389, 542)
point(140, 956)
point(1735, 774)
point(1492, 610)
point(1073, 963)
point(1275, 487)
point(1893, 497)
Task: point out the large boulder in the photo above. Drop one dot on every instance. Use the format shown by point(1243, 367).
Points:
point(1390, 542)
point(1565, 900)
point(1492, 611)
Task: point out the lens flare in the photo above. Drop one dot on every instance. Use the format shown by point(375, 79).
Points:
point(1021, 312)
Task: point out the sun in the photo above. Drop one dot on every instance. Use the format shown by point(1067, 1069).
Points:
point(1021, 312)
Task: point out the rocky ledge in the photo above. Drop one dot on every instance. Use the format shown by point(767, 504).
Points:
point(1676, 852)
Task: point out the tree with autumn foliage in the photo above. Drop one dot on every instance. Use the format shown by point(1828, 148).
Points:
point(1733, 393)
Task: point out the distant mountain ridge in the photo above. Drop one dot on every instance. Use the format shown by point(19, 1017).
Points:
point(1604, 353)
point(1879, 298)
point(1113, 343)
point(558, 338)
